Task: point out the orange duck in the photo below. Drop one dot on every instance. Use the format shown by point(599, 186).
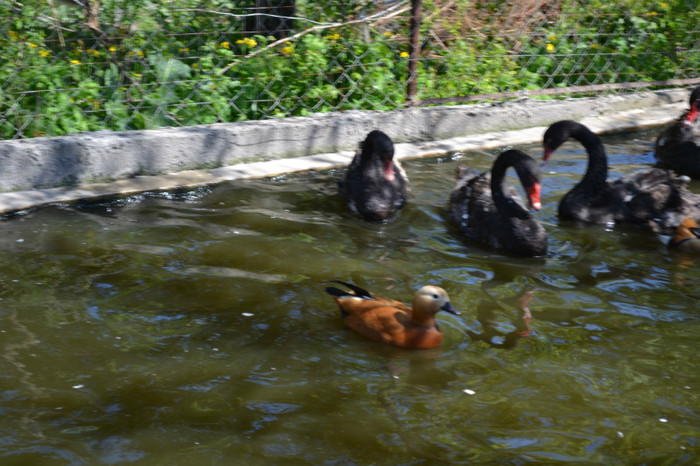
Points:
point(393, 322)
point(687, 237)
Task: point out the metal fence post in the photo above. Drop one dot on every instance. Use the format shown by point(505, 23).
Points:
point(413, 52)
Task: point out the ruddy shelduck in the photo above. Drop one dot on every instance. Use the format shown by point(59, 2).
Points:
point(393, 322)
point(687, 236)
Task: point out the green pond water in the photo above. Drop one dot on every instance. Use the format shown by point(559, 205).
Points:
point(193, 328)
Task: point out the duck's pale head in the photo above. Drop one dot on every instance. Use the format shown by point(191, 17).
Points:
point(433, 299)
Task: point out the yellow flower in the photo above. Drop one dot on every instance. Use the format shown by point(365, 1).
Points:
point(75, 62)
point(44, 53)
point(404, 55)
point(287, 50)
point(112, 48)
point(550, 47)
point(225, 44)
point(32, 45)
point(139, 53)
point(13, 35)
point(388, 34)
point(652, 13)
point(185, 49)
point(247, 41)
point(333, 37)
point(664, 5)
point(552, 37)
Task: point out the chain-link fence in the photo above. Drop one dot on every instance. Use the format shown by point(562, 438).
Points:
point(79, 65)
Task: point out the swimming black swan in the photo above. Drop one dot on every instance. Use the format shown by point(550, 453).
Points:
point(653, 198)
point(375, 186)
point(678, 146)
point(487, 210)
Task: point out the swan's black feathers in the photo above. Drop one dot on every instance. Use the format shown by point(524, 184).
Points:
point(678, 146)
point(654, 198)
point(503, 224)
point(364, 187)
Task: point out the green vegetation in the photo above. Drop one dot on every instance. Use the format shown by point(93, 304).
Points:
point(149, 64)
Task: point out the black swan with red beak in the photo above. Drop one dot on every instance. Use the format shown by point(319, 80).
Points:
point(653, 198)
point(484, 208)
point(678, 146)
point(375, 186)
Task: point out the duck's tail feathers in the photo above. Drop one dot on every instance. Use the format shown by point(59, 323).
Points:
point(360, 292)
point(333, 291)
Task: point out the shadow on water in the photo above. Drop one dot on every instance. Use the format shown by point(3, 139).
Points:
point(193, 327)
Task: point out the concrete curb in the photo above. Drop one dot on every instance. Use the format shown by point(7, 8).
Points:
point(272, 147)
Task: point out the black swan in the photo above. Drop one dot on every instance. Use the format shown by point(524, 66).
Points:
point(654, 198)
point(678, 146)
point(487, 210)
point(375, 186)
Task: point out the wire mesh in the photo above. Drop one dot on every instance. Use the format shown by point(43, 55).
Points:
point(80, 65)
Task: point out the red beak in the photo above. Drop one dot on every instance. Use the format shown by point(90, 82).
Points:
point(547, 154)
point(692, 115)
point(389, 170)
point(533, 193)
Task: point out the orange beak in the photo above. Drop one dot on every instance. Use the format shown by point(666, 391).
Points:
point(692, 115)
point(533, 193)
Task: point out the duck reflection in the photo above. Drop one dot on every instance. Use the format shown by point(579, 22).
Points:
point(486, 315)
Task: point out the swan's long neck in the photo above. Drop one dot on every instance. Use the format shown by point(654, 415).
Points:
point(503, 202)
point(597, 171)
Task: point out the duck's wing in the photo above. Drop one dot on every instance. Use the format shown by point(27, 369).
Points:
point(358, 292)
point(390, 325)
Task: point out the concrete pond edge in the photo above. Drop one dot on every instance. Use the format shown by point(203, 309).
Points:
point(274, 147)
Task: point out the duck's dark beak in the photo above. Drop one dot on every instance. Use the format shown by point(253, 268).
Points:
point(447, 307)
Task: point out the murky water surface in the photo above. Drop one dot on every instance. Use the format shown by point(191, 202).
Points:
point(193, 328)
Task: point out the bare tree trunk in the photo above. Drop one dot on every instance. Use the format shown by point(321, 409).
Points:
point(273, 18)
point(413, 51)
point(92, 11)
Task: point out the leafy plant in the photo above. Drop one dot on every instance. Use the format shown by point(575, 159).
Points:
point(188, 62)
